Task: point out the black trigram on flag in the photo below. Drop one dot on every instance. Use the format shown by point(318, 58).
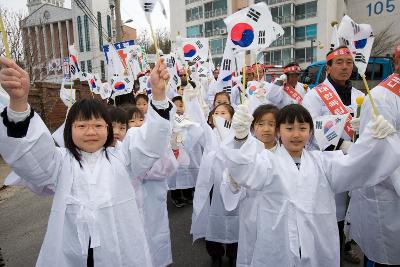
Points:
point(227, 64)
point(356, 27)
point(261, 37)
point(197, 58)
point(148, 6)
point(199, 44)
point(170, 62)
point(254, 14)
point(227, 124)
point(72, 69)
point(227, 89)
point(175, 79)
point(127, 80)
point(360, 58)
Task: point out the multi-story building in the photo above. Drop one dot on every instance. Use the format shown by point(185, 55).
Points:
point(50, 28)
point(307, 25)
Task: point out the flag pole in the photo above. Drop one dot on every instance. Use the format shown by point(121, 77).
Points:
point(243, 94)
point(369, 94)
point(4, 38)
point(258, 73)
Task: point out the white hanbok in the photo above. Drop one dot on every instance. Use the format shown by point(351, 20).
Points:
point(296, 223)
point(315, 105)
point(375, 211)
point(95, 201)
point(278, 97)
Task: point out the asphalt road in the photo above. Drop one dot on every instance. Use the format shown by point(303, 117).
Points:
point(23, 221)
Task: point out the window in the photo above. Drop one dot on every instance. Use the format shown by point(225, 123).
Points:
point(217, 46)
point(308, 32)
point(103, 70)
point(194, 13)
point(215, 8)
point(305, 54)
point(215, 27)
point(109, 26)
point(80, 36)
point(87, 37)
point(306, 10)
point(194, 31)
point(89, 66)
point(100, 31)
point(282, 14)
point(83, 66)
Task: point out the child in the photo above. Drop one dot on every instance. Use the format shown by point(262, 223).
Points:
point(263, 128)
point(135, 117)
point(210, 220)
point(221, 98)
point(177, 100)
point(94, 218)
point(296, 223)
point(142, 102)
point(119, 121)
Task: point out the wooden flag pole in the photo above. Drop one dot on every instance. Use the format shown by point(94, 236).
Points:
point(4, 38)
point(369, 94)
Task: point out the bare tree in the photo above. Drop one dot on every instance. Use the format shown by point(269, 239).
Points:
point(163, 37)
point(11, 21)
point(384, 42)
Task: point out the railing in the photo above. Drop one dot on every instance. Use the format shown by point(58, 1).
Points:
point(195, 35)
point(217, 51)
point(215, 13)
point(304, 38)
point(307, 15)
point(187, 2)
point(215, 32)
point(283, 41)
point(282, 20)
point(196, 17)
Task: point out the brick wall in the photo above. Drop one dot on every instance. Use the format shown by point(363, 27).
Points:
point(45, 99)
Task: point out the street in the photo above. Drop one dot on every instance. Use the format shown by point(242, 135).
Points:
point(24, 218)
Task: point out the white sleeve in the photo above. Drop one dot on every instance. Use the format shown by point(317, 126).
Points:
point(369, 161)
point(33, 157)
point(165, 167)
point(143, 146)
point(15, 116)
point(275, 94)
point(230, 196)
point(250, 165)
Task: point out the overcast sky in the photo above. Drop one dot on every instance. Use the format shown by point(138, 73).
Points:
point(130, 9)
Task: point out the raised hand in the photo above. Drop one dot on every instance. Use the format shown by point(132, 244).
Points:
point(15, 82)
point(241, 121)
point(159, 78)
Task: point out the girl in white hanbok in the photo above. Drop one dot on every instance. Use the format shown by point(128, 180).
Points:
point(263, 128)
point(94, 220)
point(296, 222)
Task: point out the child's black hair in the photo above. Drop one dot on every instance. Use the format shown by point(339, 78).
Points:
point(118, 114)
point(292, 113)
point(134, 111)
point(222, 93)
point(86, 109)
point(227, 106)
point(261, 111)
point(177, 98)
point(142, 96)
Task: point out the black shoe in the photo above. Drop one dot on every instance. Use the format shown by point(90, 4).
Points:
point(216, 262)
point(178, 203)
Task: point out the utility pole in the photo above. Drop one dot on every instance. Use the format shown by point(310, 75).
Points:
point(118, 25)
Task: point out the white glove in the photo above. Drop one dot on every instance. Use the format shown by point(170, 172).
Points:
point(261, 94)
point(241, 121)
point(281, 80)
point(355, 124)
point(190, 93)
point(381, 128)
point(206, 109)
point(345, 146)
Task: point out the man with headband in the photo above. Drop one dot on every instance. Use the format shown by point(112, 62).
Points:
point(286, 89)
point(375, 211)
point(337, 96)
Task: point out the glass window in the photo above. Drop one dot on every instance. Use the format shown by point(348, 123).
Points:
point(103, 70)
point(87, 36)
point(300, 55)
point(311, 55)
point(300, 33)
point(311, 31)
point(286, 56)
point(100, 31)
point(80, 35)
point(89, 66)
point(83, 66)
point(194, 31)
point(306, 10)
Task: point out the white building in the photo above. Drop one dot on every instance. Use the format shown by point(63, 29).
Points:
point(50, 28)
point(307, 25)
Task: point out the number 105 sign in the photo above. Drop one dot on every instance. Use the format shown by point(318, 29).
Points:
point(380, 7)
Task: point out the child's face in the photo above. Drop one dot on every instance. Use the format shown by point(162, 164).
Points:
point(142, 105)
point(90, 135)
point(264, 129)
point(119, 130)
point(179, 107)
point(294, 136)
point(180, 90)
point(223, 112)
point(221, 99)
point(135, 121)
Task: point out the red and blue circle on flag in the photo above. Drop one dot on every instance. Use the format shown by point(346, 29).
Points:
point(189, 50)
point(119, 86)
point(242, 34)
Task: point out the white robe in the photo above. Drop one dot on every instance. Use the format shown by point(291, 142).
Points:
point(314, 104)
point(99, 203)
point(297, 208)
point(375, 211)
point(278, 97)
